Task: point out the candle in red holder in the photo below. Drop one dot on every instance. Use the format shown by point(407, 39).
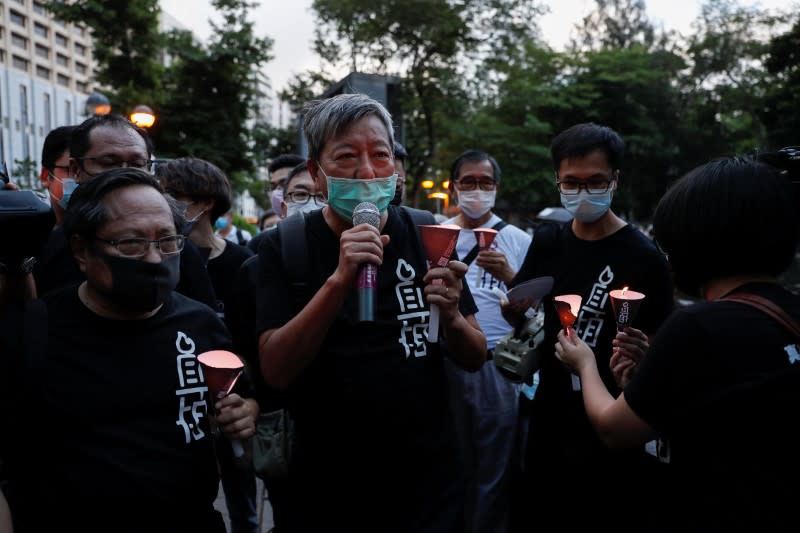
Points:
point(567, 307)
point(625, 303)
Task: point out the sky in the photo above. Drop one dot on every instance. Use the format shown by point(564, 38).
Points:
point(290, 23)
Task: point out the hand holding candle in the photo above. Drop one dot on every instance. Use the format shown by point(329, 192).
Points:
point(439, 241)
point(485, 238)
point(222, 369)
point(567, 307)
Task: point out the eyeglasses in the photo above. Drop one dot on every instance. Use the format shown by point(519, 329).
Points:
point(661, 249)
point(302, 197)
point(95, 165)
point(470, 184)
point(570, 187)
point(138, 247)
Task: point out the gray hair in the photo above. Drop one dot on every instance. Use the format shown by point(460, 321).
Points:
point(327, 118)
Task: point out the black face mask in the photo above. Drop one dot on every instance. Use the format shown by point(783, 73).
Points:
point(138, 285)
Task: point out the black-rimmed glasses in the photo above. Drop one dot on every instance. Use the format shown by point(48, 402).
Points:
point(569, 187)
point(302, 197)
point(136, 248)
point(470, 184)
point(96, 165)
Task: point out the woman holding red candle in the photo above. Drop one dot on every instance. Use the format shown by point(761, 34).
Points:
point(721, 380)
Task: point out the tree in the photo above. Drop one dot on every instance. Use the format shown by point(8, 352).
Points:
point(127, 47)
point(213, 92)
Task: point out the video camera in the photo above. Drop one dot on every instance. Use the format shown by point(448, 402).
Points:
point(25, 222)
point(517, 354)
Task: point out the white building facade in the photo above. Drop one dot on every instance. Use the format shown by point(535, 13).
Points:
point(45, 79)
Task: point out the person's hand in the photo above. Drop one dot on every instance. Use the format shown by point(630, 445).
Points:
point(236, 416)
point(496, 264)
point(359, 245)
point(514, 312)
point(572, 351)
point(10, 186)
point(443, 288)
point(629, 346)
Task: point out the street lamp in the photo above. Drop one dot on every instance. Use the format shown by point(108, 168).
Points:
point(97, 104)
point(143, 116)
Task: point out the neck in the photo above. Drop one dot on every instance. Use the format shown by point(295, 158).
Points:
point(601, 228)
point(203, 236)
point(719, 287)
point(471, 223)
point(101, 306)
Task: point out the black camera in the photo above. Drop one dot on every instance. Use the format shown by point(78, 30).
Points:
point(25, 223)
point(787, 160)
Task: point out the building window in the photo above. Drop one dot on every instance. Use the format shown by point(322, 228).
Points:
point(63, 80)
point(42, 51)
point(23, 107)
point(61, 40)
point(80, 49)
point(80, 68)
point(38, 7)
point(17, 18)
point(19, 62)
point(19, 41)
point(62, 60)
point(40, 29)
point(43, 72)
point(82, 86)
point(48, 123)
point(20, 2)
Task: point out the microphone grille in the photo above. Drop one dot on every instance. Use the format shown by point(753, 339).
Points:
point(366, 213)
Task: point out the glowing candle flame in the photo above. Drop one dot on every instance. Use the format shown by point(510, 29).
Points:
point(623, 291)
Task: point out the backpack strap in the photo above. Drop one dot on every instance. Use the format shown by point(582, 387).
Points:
point(470, 257)
point(766, 306)
point(294, 254)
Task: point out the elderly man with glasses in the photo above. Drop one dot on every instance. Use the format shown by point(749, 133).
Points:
point(591, 255)
point(112, 362)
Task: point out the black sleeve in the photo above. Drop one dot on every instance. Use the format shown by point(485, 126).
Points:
point(195, 281)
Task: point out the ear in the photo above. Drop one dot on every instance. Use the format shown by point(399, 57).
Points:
point(319, 178)
point(284, 209)
point(616, 180)
point(44, 178)
point(74, 168)
point(80, 249)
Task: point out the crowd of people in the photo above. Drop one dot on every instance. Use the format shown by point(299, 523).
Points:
point(669, 420)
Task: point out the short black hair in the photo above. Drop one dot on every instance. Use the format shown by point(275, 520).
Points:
point(731, 216)
point(296, 170)
point(284, 160)
point(582, 139)
point(55, 144)
point(474, 156)
point(86, 211)
point(199, 180)
point(79, 142)
point(400, 151)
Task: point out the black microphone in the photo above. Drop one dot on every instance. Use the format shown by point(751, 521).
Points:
point(366, 213)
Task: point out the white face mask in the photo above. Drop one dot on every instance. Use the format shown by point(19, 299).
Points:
point(293, 207)
point(475, 204)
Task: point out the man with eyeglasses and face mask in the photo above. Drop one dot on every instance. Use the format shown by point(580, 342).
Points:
point(485, 404)
point(112, 361)
point(368, 398)
point(97, 145)
point(594, 253)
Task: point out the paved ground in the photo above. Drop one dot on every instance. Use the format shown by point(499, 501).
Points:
point(266, 511)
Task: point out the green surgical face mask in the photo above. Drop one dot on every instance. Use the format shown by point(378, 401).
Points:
point(344, 194)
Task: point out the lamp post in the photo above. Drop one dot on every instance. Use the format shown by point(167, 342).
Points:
point(143, 116)
point(97, 104)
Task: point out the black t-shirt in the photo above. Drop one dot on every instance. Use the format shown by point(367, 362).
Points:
point(58, 269)
point(590, 269)
point(223, 270)
point(721, 382)
point(112, 422)
point(372, 406)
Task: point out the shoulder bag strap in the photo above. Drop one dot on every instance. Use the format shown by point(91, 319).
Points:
point(294, 254)
point(769, 308)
